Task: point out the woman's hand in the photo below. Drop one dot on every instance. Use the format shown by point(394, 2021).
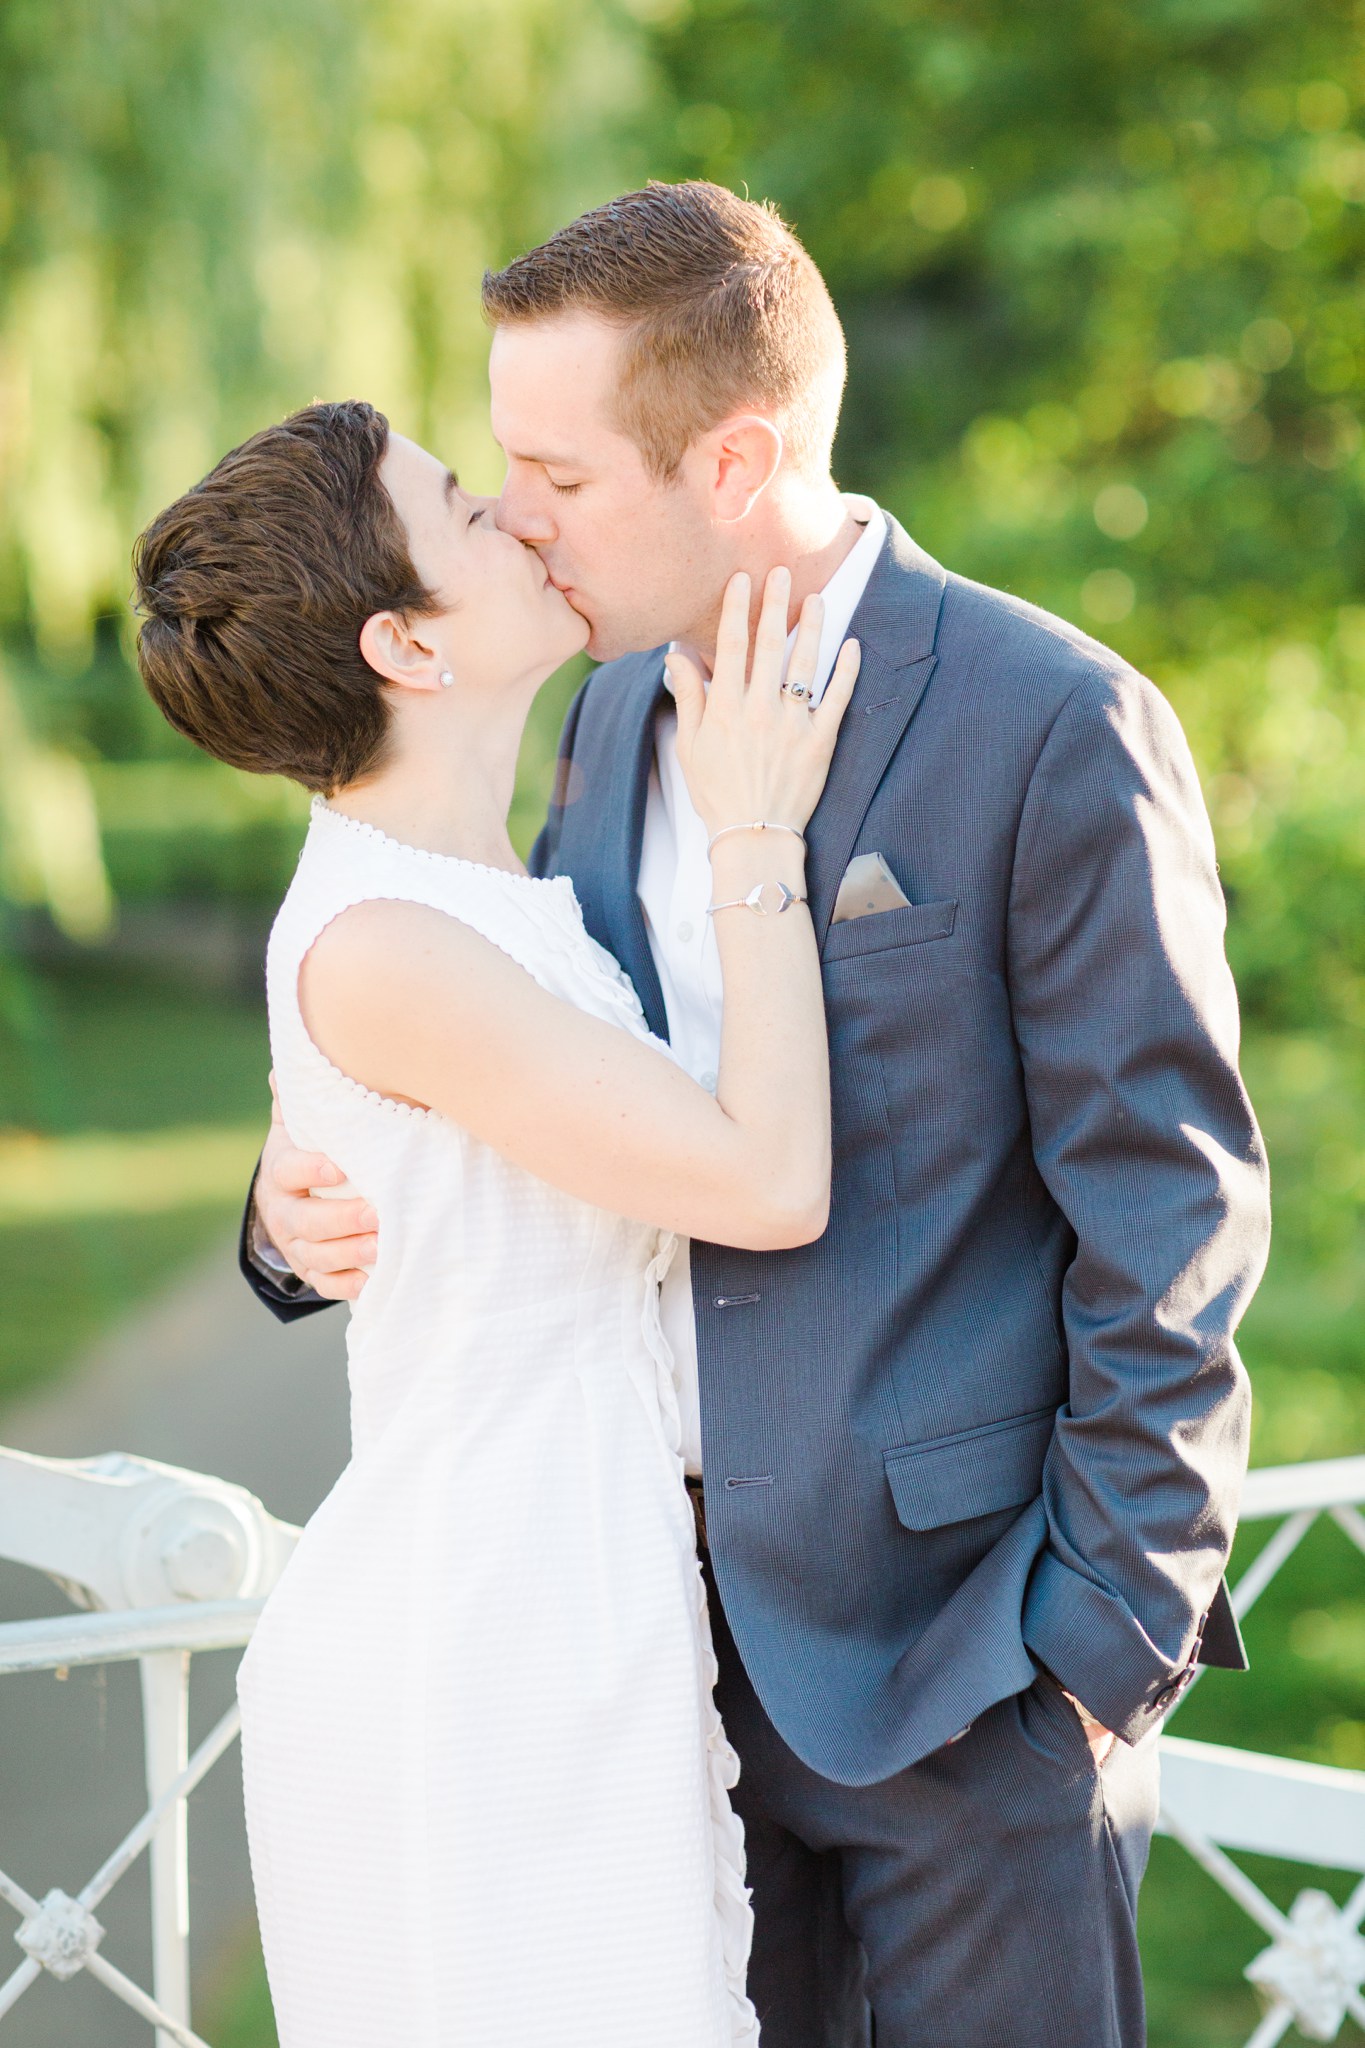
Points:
point(749, 748)
point(330, 1244)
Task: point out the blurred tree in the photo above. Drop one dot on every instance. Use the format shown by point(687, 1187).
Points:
point(208, 216)
point(1101, 266)
point(144, 154)
point(148, 157)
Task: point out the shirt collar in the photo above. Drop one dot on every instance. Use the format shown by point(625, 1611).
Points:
point(843, 593)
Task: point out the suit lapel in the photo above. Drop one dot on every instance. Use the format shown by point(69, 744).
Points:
point(623, 754)
point(896, 623)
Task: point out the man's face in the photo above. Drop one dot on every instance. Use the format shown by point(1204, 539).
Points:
point(642, 561)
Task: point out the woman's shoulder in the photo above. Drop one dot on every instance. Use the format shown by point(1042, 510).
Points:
point(395, 943)
point(392, 952)
point(392, 988)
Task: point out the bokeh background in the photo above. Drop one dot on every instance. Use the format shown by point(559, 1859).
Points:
point(1100, 263)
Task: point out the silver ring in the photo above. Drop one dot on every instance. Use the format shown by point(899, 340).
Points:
point(797, 689)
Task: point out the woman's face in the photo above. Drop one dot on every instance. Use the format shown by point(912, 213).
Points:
point(503, 617)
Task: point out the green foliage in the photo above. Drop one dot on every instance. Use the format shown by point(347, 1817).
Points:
point(1304, 1338)
point(1101, 270)
point(237, 2012)
point(209, 215)
point(1100, 267)
point(117, 1057)
point(151, 158)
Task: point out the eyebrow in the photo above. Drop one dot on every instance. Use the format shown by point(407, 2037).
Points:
point(552, 461)
point(452, 483)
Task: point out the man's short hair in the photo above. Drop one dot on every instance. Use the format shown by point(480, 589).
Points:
point(254, 587)
point(721, 308)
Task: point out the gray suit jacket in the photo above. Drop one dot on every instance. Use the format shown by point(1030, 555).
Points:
point(995, 1417)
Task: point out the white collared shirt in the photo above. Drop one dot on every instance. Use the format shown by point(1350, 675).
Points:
point(675, 889)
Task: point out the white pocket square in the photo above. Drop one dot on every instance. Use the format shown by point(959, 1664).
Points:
point(868, 886)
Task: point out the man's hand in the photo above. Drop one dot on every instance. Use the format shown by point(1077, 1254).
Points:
point(328, 1242)
point(1100, 1738)
point(1101, 1742)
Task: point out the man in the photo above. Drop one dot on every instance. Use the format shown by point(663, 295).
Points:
point(970, 1462)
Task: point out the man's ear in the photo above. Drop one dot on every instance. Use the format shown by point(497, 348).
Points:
point(398, 653)
point(747, 453)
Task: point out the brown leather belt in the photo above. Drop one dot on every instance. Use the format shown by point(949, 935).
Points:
point(698, 1500)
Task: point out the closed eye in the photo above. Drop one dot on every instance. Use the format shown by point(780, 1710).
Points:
point(563, 490)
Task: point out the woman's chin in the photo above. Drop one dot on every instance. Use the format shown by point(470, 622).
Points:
point(575, 631)
point(561, 631)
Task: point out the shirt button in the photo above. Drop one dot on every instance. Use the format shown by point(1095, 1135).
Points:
point(684, 931)
point(708, 1080)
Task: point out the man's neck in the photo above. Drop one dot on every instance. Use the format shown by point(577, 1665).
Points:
point(815, 568)
point(810, 533)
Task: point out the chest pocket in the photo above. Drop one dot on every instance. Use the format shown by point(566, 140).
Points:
point(880, 930)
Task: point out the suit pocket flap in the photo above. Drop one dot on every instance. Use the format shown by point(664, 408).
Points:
point(881, 929)
point(977, 1472)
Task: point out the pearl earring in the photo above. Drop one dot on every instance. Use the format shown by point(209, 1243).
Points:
point(447, 679)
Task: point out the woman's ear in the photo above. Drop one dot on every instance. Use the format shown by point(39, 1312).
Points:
point(747, 452)
point(399, 653)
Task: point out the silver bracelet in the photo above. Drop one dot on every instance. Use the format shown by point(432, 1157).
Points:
point(755, 900)
point(758, 825)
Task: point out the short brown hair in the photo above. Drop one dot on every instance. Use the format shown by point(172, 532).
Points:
point(721, 306)
point(254, 587)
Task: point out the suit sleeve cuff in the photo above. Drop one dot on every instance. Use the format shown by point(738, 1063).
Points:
point(1090, 1642)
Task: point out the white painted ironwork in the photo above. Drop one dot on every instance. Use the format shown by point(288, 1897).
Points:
point(62, 1935)
point(1214, 1799)
point(1315, 1966)
point(178, 1562)
point(1304, 1813)
point(120, 1532)
point(114, 1638)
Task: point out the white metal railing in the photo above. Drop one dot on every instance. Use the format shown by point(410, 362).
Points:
point(178, 1562)
point(1214, 1799)
point(158, 1549)
point(60, 1933)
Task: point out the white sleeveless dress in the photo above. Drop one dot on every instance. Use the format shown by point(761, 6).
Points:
point(486, 1782)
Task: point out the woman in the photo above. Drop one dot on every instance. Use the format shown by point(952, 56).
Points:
point(486, 1781)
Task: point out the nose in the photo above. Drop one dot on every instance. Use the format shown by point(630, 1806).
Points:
point(521, 515)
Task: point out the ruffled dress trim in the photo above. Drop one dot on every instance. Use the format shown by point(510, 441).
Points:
point(550, 900)
point(734, 1911)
